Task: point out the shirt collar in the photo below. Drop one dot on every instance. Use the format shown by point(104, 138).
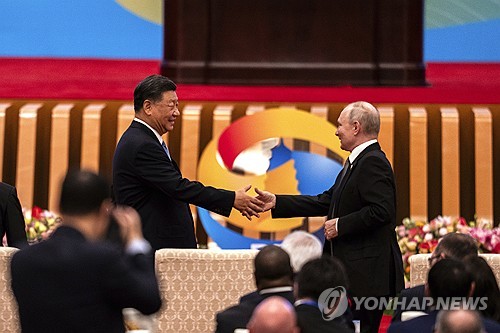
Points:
point(306, 301)
point(276, 290)
point(356, 151)
point(158, 136)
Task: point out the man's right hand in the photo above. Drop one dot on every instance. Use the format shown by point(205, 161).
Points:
point(247, 205)
point(268, 198)
point(129, 222)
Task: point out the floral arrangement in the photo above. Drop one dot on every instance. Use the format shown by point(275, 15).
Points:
point(422, 236)
point(40, 224)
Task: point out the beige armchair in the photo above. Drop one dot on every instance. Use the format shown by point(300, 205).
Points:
point(9, 317)
point(195, 284)
point(419, 267)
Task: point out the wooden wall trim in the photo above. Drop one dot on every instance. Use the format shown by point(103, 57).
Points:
point(446, 158)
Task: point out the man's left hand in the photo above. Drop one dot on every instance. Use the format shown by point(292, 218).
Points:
point(331, 228)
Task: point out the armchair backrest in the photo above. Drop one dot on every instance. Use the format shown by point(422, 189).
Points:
point(195, 284)
point(419, 267)
point(9, 315)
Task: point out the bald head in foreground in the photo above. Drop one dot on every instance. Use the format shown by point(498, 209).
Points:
point(459, 321)
point(273, 315)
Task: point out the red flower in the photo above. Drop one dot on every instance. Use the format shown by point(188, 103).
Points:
point(36, 212)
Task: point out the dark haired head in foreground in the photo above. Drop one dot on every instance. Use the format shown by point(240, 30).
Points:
point(316, 277)
point(75, 281)
point(485, 285)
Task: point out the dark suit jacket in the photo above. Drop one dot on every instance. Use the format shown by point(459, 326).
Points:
point(425, 324)
point(365, 203)
point(239, 315)
point(67, 284)
point(146, 179)
point(310, 321)
point(11, 217)
point(411, 296)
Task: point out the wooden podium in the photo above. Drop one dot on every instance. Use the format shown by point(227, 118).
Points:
point(294, 42)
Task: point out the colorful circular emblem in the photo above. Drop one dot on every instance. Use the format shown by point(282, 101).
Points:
point(289, 171)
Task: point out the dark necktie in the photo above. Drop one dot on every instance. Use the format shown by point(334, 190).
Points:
point(347, 166)
point(343, 172)
point(165, 148)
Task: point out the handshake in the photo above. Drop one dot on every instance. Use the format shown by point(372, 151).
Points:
point(251, 206)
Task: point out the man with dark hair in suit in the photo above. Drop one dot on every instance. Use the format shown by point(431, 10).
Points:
point(147, 178)
point(315, 277)
point(448, 283)
point(452, 246)
point(11, 217)
point(273, 276)
point(75, 281)
point(361, 213)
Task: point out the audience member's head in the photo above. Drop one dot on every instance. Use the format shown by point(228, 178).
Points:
point(449, 278)
point(301, 246)
point(458, 321)
point(273, 315)
point(485, 285)
point(320, 274)
point(272, 268)
point(454, 246)
point(85, 202)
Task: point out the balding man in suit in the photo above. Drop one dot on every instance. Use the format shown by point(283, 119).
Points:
point(361, 212)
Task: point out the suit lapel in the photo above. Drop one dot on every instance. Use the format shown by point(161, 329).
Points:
point(136, 124)
point(337, 192)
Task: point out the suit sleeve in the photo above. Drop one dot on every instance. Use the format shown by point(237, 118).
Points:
point(154, 167)
point(376, 191)
point(130, 282)
point(302, 205)
point(14, 221)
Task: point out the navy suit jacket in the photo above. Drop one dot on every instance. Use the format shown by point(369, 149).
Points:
point(11, 217)
point(310, 321)
point(425, 324)
point(68, 284)
point(239, 315)
point(410, 296)
point(365, 203)
point(146, 179)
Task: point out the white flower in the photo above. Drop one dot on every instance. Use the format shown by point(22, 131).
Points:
point(447, 220)
point(412, 246)
point(428, 237)
point(443, 231)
